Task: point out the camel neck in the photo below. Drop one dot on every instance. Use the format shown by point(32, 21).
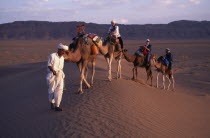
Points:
point(157, 65)
point(129, 58)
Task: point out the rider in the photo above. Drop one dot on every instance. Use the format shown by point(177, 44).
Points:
point(80, 30)
point(169, 57)
point(114, 30)
point(147, 50)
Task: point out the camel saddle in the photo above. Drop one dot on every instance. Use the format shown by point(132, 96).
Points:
point(94, 37)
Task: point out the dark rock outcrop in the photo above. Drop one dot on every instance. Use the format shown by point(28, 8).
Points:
point(30, 30)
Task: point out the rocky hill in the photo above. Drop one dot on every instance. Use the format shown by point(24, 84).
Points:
point(177, 30)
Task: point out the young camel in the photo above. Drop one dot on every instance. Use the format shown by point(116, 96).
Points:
point(161, 68)
point(111, 50)
point(81, 56)
point(138, 61)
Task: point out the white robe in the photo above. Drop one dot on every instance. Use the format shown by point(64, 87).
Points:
point(55, 82)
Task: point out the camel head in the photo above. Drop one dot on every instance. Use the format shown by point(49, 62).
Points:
point(72, 56)
point(65, 55)
point(153, 60)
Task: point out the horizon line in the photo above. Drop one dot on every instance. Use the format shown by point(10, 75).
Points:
point(98, 23)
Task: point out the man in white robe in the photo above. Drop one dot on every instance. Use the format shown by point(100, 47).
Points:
point(55, 77)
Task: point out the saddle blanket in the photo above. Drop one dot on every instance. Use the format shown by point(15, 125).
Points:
point(94, 37)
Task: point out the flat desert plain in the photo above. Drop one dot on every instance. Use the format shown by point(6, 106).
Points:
point(120, 108)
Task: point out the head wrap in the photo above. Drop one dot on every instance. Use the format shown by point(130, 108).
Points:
point(113, 21)
point(147, 40)
point(167, 49)
point(61, 46)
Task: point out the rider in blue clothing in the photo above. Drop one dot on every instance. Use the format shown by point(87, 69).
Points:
point(169, 57)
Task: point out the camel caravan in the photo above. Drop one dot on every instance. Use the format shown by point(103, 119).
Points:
point(85, 48)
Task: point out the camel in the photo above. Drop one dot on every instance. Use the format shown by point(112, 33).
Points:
point(81, 56)
point(161, 68)
point(138, 61)
point(111, 49)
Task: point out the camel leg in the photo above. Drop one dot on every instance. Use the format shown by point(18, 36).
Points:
point(151, 77)
point(169, 82)
point(86, 83)
point(80, 91)
point(173, 82)
point(110, 68)
point(133, 73)
point(79, 65)
point(148, 74)
point(86, 69)
point(118, 68)
point(93, 72)
point(164, 87)
point(108, 61)
point(157, 79)
point(82, 77)
point(136, 73)
point(86, 75)
point(86, 72)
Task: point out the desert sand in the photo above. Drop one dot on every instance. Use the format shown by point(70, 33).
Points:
point(121, 108)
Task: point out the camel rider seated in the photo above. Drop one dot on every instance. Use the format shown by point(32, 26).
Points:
point(114, 30)
point(169, 57)
point(80, 30)
point(145, 51)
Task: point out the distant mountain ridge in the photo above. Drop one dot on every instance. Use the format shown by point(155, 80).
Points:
point(40, 30)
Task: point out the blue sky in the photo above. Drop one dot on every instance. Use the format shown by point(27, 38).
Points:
point(103, 11)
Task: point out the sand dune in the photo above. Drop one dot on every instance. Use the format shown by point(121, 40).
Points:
point(121, 108)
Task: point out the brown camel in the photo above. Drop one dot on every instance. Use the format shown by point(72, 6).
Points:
point(82, 54)
point(139, 61)
point(161, 68)
point(111, 49)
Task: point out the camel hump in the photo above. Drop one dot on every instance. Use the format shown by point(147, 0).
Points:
point(139, 53)
point(94, 50)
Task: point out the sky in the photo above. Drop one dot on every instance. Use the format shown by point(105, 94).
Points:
point(103, 11)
